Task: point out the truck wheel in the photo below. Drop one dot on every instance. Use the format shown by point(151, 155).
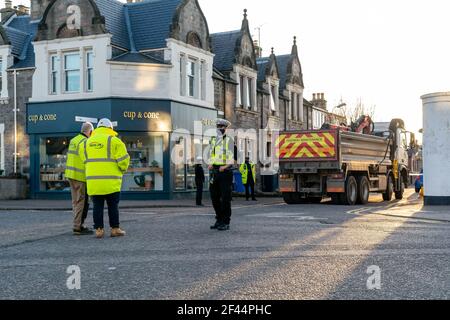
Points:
point(387, 196)
point(351, 192)
point(363, 190)
point(399, 194)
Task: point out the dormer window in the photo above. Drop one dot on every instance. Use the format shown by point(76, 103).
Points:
point(273, 100)
point(191, 77)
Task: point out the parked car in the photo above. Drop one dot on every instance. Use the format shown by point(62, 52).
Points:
point(419, 182)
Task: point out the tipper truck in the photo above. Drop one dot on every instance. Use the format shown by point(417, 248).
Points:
point(344, 165)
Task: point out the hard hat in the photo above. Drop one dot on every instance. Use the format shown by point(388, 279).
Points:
point(105, 123)
point(223, 122)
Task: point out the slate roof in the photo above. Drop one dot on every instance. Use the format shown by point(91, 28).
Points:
point(283, 62)
point(134, 26)
point(113, 11)
point(137, 58)
point(262, 65)
point(150, 22)
point(223, 45)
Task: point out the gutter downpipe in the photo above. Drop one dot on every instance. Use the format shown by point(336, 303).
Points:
point(15, 121)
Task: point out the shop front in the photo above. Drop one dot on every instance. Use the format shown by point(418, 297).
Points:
point(145, 126)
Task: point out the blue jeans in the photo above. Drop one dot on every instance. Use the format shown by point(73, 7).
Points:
point(113, 210)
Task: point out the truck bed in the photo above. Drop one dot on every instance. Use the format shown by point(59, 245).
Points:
point(332, 146)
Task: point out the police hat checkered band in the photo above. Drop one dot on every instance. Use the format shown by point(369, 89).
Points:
point(223, 123)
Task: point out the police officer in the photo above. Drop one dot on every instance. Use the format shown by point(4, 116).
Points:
point(248, 172)
point(222, 160)
point(106, 159)
point(75, 173)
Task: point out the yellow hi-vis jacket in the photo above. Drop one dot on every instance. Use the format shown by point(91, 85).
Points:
point(75, 168)
point(106, 160)
point(244, 172)
point(221, 153)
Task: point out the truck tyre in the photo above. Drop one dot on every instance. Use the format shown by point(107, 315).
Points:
point(363, 190)
point(399, 194)
point(351, 192)
point(387, 196)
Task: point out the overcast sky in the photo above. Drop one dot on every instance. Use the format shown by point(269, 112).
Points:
point(388, 53)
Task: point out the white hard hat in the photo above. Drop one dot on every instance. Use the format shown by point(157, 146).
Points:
point(105, 123)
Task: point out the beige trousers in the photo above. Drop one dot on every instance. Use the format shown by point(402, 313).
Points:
point(80, 202)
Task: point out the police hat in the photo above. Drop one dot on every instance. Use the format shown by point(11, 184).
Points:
point(223, 123)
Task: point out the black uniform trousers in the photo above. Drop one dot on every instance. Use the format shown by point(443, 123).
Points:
point(221, 191)
point(199, 197)
point(250, 185)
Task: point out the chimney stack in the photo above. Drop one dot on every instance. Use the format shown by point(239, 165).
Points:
point(319, 100)
point(8, 4)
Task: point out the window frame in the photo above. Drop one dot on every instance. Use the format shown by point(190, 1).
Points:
point(65, 71)
point(54, 75)
point(89, 79)
point(191, 75)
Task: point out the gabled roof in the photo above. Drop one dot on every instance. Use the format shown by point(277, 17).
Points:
point(223, 45)
point(150, 22)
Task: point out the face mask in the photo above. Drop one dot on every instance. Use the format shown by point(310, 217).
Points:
point(220, 132)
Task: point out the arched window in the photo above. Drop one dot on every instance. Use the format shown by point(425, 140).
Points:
point(194, 40)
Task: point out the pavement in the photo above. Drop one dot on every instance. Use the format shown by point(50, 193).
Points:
point(388, 251)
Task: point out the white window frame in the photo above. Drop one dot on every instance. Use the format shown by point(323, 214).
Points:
point(54, 73)
point(2, 146)
point(87, 69)
point(64, 73)
point(273, 103)
point(191, 65)
point(248, 93)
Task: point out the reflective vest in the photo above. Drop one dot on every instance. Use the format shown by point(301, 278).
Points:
point(106, 159)
point(75, 168)
point(244, 172)
point(221, 154)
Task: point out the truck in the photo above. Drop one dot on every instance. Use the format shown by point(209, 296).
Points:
point(346, 164)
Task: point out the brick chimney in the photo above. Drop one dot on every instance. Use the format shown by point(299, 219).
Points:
point(38, 8)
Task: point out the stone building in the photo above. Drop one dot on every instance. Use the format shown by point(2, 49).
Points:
point(146, 65)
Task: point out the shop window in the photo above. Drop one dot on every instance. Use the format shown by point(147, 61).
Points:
point(89, 71)
point(72, 72)
point(53, 158)
point(146, 172)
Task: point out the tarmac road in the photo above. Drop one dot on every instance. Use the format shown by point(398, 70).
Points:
point(273, 252)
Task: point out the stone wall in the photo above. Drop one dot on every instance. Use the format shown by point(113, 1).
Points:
point(24, 82)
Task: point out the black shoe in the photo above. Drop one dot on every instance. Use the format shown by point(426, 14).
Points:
point(223, 227)
point(254, 199)
point(83, 232)
point(216, 226)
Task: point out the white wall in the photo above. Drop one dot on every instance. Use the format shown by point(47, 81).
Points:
point(140, 80)
point(436, 147)
point(173, 52)
point(101, 48)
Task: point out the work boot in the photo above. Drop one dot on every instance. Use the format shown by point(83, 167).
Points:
point(99, 233)
point(215, 226)
point(117, 232)
point(223, 227)
point(83, 231)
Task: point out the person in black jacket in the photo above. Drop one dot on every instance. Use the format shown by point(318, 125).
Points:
point(199, 180)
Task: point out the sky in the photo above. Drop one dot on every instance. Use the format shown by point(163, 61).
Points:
point(386, 53)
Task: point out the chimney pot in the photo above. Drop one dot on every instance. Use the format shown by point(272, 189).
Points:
point(8, 4)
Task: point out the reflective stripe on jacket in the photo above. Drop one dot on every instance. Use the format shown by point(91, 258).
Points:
point(244, 172)
point(106, 160)
point(75, 168)
point(221, 152)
